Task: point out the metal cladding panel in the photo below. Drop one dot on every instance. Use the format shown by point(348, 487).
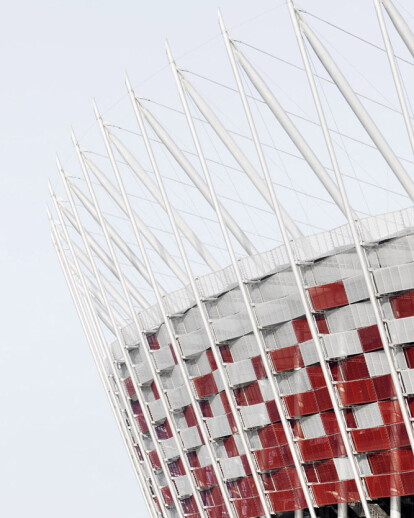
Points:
point(164, 358)
point(309, 352)
point(336, 267)
point(218, 426)
point(230, 303)
point(244, 347)
point(280, 336)
point(377, 363)
point(178, 397)
point(130, 335)
point(395, 484)
point(396, 251)
point(336, 492)
point(367, 416)
point(328, 296)
point(401, 330)
point(117, 351)
point(278, 311)
point(232, 468)
point(293, 382)
point(380, 438)
point(157, 411)
point(240, 372)
point(170, 449)
point(183, 486)
point(339, 345)
point(288, 500)
point(360, 314)
point(287, 358)
point(255, 415)
point(343, 468)
point(408, 380)
point(312, 426)
point(356, 289)
point(191, 438)
point(232, 327)
point(275, 287)
point(395, 278)
point(193, 344)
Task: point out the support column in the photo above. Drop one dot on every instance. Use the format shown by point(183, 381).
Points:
point(343, 510)
point(395, 507)
point(400, 24)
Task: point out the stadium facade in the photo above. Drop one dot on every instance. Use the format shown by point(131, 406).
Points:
point(283, 382)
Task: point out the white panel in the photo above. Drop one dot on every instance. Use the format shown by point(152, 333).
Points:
point(170, 449)
point(293, 382)
point(266, 389)
point(194, 343)
point(232, 327)
point(117, 351)
point(240, 372)
point(278, 311)
point(191, 438)
point(309, 352)
point(130, 335)
point(144, 374)
point(178, 397)
point(363, 464)
point(255, 416)
point(377, 363)
point(163, 359)
point(244, 347)
point(183, 486)
point(343, 344)
point(408, 380)
point(356, 289)
point(312, 426)
point(395, 278)
point(232, 468)
point(157, 411)
point(218, 426)
point(401, 330)
point(360, 314)
point(368, 416)
point(343, 468)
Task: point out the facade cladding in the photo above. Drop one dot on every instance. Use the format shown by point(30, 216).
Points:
point(281, 384)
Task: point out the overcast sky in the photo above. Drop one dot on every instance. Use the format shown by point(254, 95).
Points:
point(60, 451)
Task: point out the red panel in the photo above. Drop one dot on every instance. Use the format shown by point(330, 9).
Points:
point(163, 430)
point(272, 435)
point(272, 411)
point(315, 376)
point(189, 505)
point(330, 423)
point(211, 360)
point(354, 368)
point(323, 399)
point(253, 393)
point(291, 500)
point(190, 416)
point(155, 390)
point(350, 418)
point(173, 354)
point(287, 358)
point(366, 391)
point(390, 411)
point(370, 338)
point(301, 404)
point(231, 447)
point(396, 484)
point(336, 371)
point(391, 461)
point(205, 385)
point(176, 468)
point(193, 459)
point(205, 408)
point(130, 388)
point(322, 448)
point(219, 511)
point(153, 342)
point(380, 438)
point(335, 492)
point(280, 480)
point(302, 331)
point(154, 459)
point(328, 296)
point(212, 497)
point(249, 507)
point(258, 367)
point(311, 473)
point(226, 355)
point(409, 356)
point(326, 471)
point(273, 458)
point(246, 465)
point(166, 493)
point(242, 488)
point(403, 305)
point(297, 429)
point(205, 477)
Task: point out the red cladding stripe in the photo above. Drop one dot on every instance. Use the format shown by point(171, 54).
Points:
point(403, 305)
point(396, 484)
point(242, 488)
point(380, 438)
point(287, 358)
point(370, 338)
point(272, 411)
point(205, 477)
point(302, 331)
point(211, 360)
point(166, 493)
point(335, 492)
point(176, 468)
point(155, 390)
point(153, 342)
point(130, 387)
point(219, 511)
point(193, 459)
point(154, 459)
point(273, 458)
point(258, 367)
point(230, 446)
point(190, 416)
point(301, 404)
point(205, 385)
point(315, 376)
point(321, 448)
point(354, 368)
point(390, 411)
point(326, 471)
point(291, 500)
point(226, 354)
point(328, 296)
point(272, 435)
point(391, 461)
point(249, 507)
point(366, 390)
point(330, 424)
point(206, 408)
point(280, 480)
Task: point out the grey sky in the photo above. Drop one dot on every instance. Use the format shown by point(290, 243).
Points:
point(61, 453)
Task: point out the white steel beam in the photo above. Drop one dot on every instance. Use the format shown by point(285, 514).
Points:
point(118, 333)
point(113, 400)
point(400, 24)
point(295, 270)
point(169, 327)
point(352, 222)
point(395, 74)
point(136, 167)
point(235, 150)
point(133, 421)
point(155, 243)
point(358, 108)
point(197, 180)
point(104, 257)
point(191, 278)
point(243, 290)
point(145, 347)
